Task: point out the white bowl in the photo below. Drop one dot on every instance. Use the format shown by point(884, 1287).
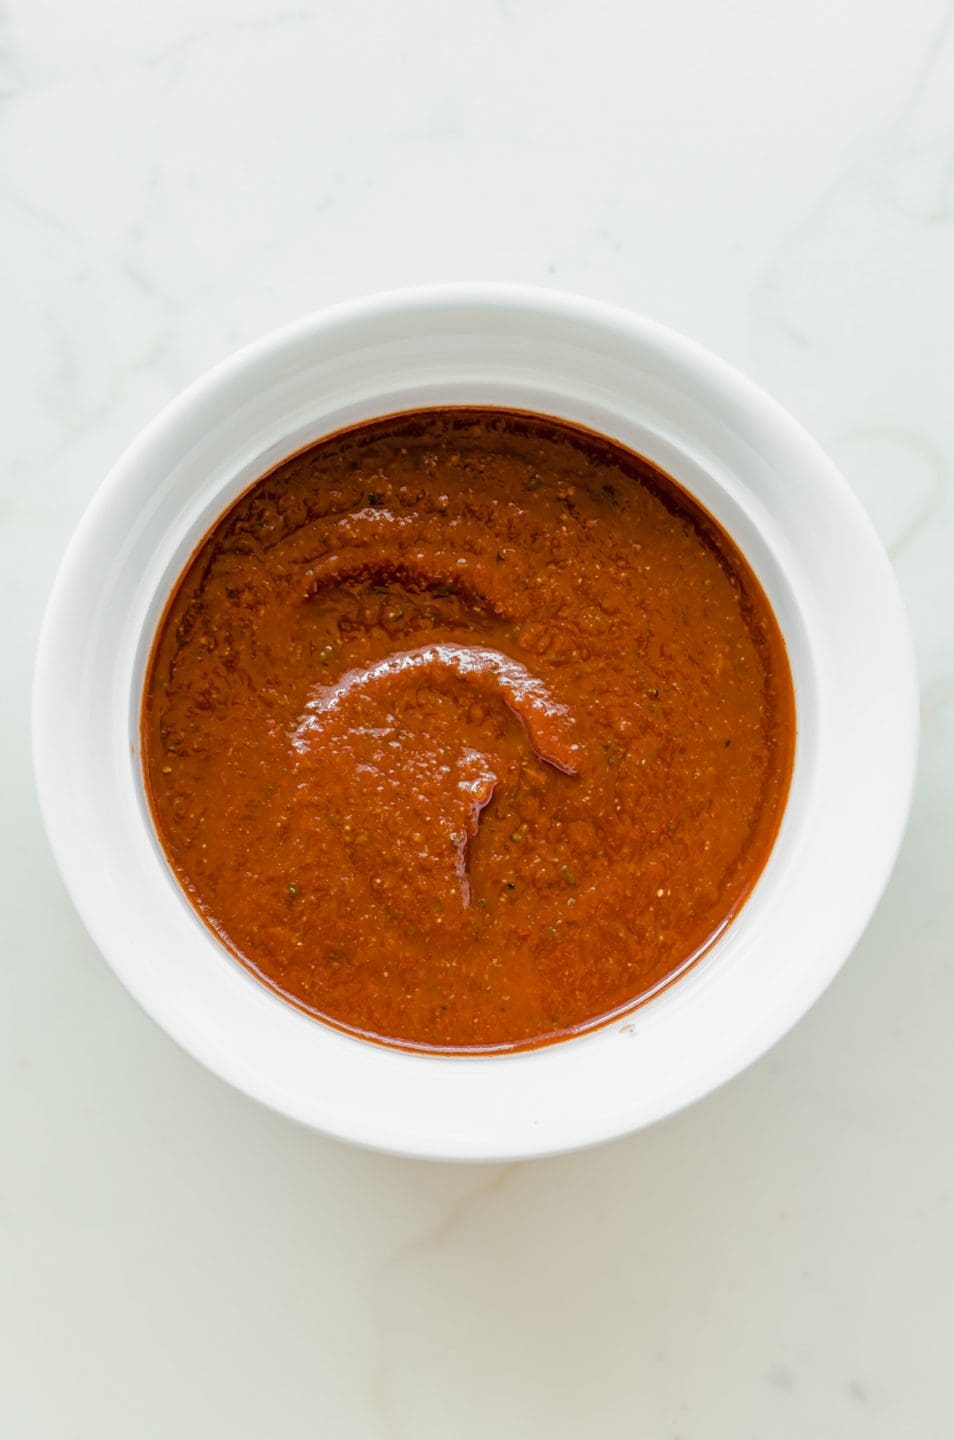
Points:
point(771, 487)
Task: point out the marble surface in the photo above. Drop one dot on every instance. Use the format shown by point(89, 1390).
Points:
point(777, 180)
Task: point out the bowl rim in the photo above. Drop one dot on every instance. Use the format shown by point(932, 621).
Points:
point(526, 301)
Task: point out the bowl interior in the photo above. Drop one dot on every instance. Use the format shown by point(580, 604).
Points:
point(750, 466)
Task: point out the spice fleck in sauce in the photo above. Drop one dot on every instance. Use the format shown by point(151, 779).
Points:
point(467, 729)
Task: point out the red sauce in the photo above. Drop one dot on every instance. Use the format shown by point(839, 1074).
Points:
point(467, 729)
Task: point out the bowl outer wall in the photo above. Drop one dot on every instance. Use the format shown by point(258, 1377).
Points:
point(820, 887)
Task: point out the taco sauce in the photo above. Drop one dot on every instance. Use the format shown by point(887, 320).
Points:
point(467, 729)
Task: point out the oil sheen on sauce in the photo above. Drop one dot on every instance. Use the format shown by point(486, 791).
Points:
point(467, 729)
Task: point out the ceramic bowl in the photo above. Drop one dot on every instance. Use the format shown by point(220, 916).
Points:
point(750, 465)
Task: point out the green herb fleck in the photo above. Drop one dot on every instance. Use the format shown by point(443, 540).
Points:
point(293, 890)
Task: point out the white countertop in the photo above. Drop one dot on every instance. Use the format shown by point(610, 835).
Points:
point(776, 180)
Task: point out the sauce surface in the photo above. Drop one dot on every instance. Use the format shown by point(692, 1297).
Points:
point(466, 729)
